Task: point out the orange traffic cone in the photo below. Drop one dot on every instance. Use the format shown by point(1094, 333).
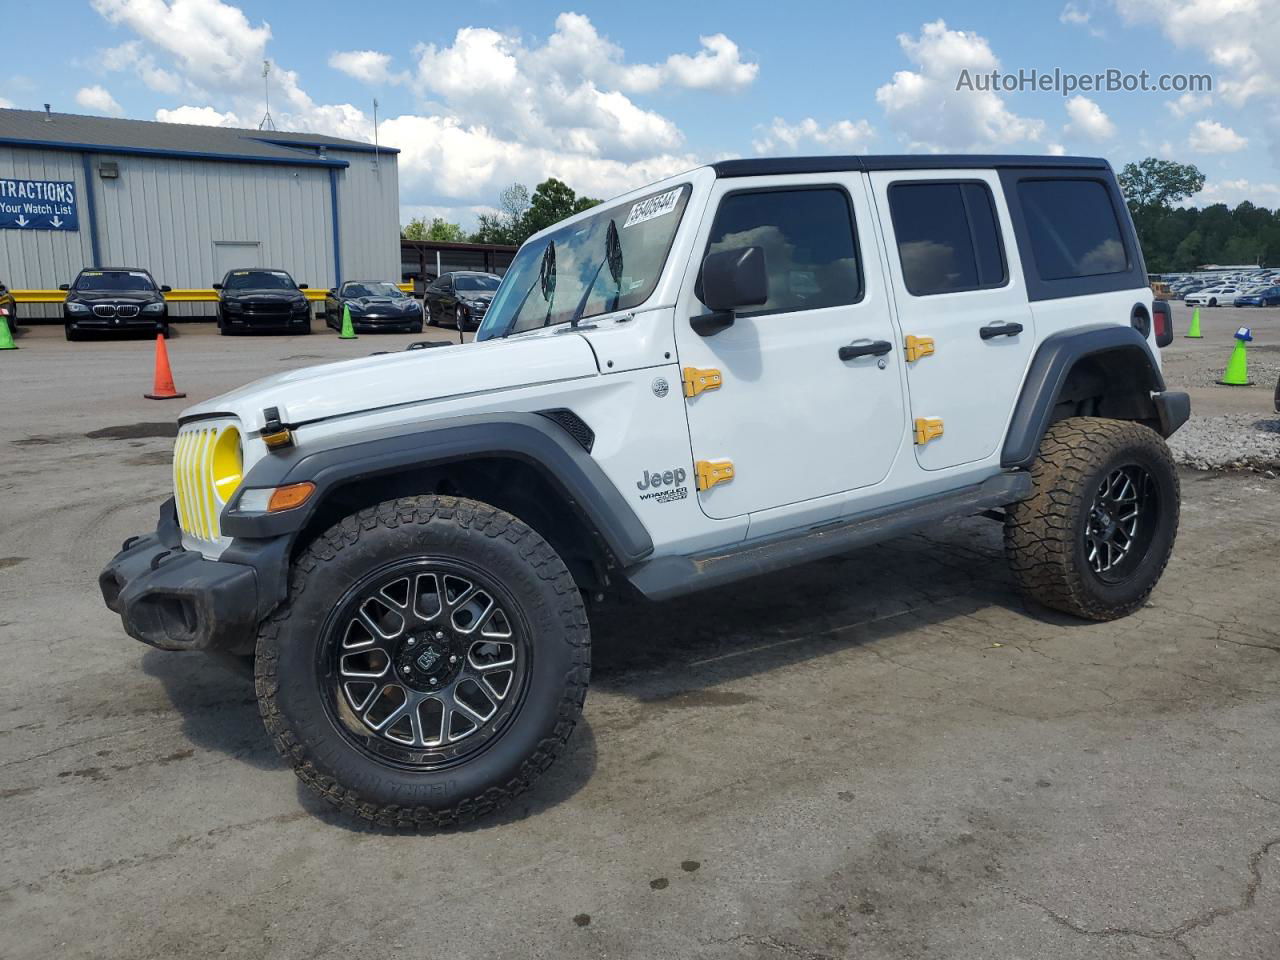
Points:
point(164, 388)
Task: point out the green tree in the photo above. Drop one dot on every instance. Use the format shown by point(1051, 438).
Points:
point(1153, 183)
point(439, 230)
point(520, 216)
point(553, 200)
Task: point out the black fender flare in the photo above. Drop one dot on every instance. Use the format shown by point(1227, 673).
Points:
point(1048, 373)
point(361, 454)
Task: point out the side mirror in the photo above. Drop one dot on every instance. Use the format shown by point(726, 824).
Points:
point(333, 291)
point(217, 286)
point(730, 279)
point(64, 286)
point(302, 286)
point(165, 288)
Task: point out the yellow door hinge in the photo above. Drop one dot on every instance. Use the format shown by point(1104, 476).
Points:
point(695, 381)
point(711, 472)
point(917, 347)
point(928, 428)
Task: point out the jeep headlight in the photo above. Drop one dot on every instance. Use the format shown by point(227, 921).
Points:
point(226, 469)
point(153, 308)
point(74, 307)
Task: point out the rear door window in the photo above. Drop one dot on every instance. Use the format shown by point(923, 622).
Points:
point(948, 237)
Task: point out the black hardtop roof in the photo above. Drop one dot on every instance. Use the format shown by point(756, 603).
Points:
point(115, 270)
point(777, 166)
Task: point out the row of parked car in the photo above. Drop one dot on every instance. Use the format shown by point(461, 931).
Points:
point(1260, 288)
point(258, 299)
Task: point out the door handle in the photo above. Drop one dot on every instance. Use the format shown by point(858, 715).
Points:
point(993, 330)
point(872, 348)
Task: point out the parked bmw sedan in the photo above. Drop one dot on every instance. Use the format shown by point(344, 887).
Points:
point(459, 298)
point(1266, 297)
point(262, 299)
point(374, 305)
point(114, 300)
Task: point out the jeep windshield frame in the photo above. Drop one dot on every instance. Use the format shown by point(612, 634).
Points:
point(583, 283)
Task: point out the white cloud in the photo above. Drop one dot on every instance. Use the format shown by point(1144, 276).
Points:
point(99, 100)
point(1055, 150)
point(497, 107)
point(201, 116)
point(131, 57)
point(1188, 104)
point(1233, 192)
point(1239, 37)
point(717, 66)
point(841, 136)
point(6, 103)
point(367, 66)
point(1087, 120)
point(1072, 15)
point(213, 43)
point(1209, 136)
point(931, 114)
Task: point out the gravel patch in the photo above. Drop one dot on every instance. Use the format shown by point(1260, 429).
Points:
point(1263, 370)
point(1229, 441)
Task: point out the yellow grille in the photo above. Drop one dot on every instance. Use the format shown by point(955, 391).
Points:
point(193, 481)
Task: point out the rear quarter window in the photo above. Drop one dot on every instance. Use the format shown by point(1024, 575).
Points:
point(1073, 228)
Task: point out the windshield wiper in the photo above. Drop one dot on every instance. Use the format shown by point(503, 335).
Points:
point(613, 257)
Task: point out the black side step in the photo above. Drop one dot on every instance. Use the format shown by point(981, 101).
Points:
point(666, 577)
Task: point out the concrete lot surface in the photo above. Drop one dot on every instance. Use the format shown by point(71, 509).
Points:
point(884, 755)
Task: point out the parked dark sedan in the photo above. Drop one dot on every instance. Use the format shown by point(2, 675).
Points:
point(262, 299)
point(1269, 297)
point(114, 300)
point(374, 305)
point(459, 298)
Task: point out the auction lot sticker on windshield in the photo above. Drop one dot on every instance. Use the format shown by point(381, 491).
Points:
point(652, 207)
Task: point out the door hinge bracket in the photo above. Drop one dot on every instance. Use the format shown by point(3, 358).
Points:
point(928, 428)
point(917, 347)
point(711, 472)
point(696, 380)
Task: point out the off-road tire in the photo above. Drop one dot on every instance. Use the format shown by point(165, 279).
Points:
point(1044, 536)
point(291, 693)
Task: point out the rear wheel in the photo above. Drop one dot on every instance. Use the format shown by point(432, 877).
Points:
point(430, 662)
point(1096, 535)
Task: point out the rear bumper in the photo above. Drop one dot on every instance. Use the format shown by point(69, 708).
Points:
point(175, 599)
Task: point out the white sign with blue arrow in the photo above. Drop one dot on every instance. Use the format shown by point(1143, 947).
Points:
point(38, 205)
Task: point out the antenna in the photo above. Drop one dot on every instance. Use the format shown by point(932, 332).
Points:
point(375, 137)
point(266, 123)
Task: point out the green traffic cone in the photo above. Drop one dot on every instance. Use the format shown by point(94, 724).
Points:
point(1237, 372)
point(348, 332)
point(1194, 333)
point(6, 335)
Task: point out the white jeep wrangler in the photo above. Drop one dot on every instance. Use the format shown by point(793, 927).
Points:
point(733, 371)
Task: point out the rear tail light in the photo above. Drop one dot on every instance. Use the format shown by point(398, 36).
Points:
point(1162, 316)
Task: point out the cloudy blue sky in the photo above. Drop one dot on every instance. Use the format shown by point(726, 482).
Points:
point(610, 96)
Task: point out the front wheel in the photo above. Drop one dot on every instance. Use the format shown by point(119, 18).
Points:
point(1213, 301)
point(430, 662)
point(426, 312)
point(1097, 532)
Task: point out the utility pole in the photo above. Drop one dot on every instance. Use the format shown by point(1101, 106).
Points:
point(376, 165)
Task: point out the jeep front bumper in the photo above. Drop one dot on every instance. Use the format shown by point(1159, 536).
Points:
point(175, 599)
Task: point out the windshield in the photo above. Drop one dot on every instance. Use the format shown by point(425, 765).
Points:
point(476, 283)
point(372, 290)
point(123, 280)
point(609, 261)
point(258, 280)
